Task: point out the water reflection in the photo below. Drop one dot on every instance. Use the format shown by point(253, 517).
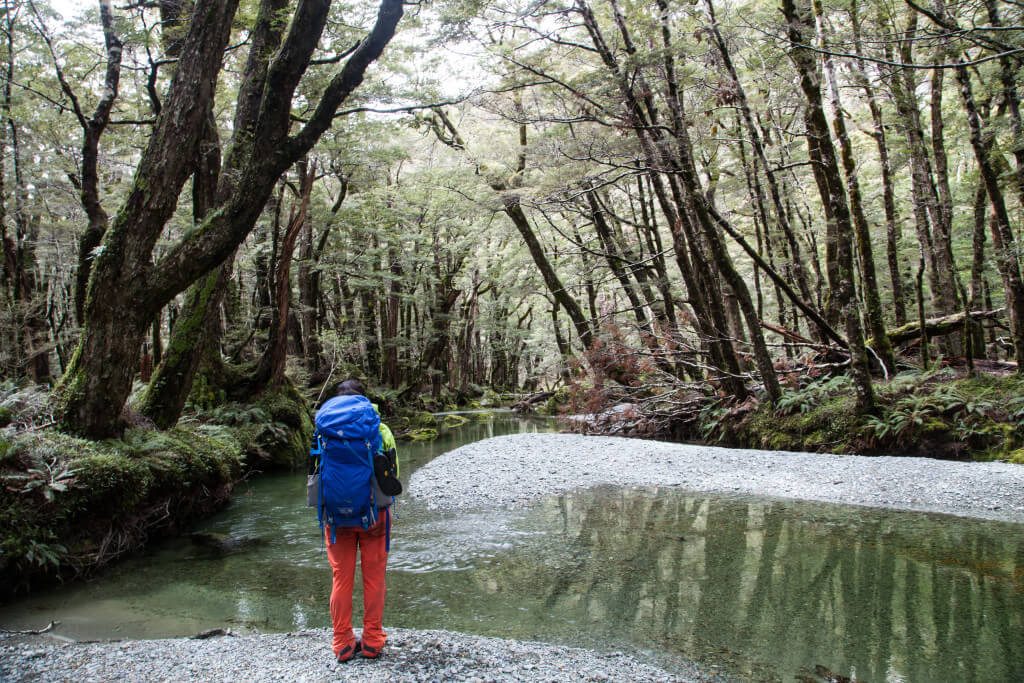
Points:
point(766, 590)
point(771, 590)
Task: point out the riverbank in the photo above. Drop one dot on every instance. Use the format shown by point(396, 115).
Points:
point(71, 506)
point(944, 412)
point(516, 470)
point(305, 656)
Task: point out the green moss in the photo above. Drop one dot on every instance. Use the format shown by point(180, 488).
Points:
point(422, 434)
point(274, 428)
point(285, 439)
point(554, 404)
point(204, 393)
point(453, 421)
point(918, 413)
point(489, 398)
point(1016, 457)
point(5, 417)
point(106, 485)
point(76, 504)
point(828, 426)
point(422, 419)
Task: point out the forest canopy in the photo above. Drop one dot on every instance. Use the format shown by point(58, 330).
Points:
point(644, 201)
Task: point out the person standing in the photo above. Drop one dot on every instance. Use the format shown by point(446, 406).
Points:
point(351, 436)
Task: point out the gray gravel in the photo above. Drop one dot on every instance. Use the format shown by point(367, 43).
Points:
point(305, 656)
point(513, 471)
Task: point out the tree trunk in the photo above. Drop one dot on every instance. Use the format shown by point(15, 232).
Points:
point(270, 369)
point(515, 211)
point(389, 333)
point(862, 232)
point(197, 331)
point(171, 383)
point(932, 232)
point(828, 178)
point(98, 380)
point(29, 344)
point(1008, 79)
point(893, 229)
point(705, 297)
point(1004, 246)
point(92, 131)
point(795, 267)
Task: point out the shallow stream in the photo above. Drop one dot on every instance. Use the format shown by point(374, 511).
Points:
point(758, 589)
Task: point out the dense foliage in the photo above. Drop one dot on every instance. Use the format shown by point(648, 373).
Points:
point(638, 200)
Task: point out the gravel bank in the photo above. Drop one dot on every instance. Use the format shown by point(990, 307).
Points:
point(305, 656)
point(514, 470)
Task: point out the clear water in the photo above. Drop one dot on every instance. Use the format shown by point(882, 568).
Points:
point(758, 589)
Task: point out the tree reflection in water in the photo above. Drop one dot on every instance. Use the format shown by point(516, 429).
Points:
point(773, 590)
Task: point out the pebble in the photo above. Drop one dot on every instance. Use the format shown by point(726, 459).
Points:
point(509, 466)
point(305, 656)
point(502, 472)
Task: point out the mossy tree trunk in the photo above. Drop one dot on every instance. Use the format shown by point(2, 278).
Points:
point(1004, 245)
point(197, 329)
point(192, 338)
point(126, 287)
point(828, 178)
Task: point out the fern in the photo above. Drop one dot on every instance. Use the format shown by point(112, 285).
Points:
point(814, 394)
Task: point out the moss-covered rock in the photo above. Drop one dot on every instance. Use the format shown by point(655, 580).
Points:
point(274, 427)
point(421, 434)
point(73, 505)
point(422, 419)
point(287, 442)
point(554, 404)
point(453, 421)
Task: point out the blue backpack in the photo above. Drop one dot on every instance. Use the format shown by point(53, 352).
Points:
point(347, 437)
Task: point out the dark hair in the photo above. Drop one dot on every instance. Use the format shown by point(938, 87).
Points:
point(350, 387)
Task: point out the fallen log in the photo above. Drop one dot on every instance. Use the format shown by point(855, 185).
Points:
point(788, 334)
point(527, 404)
point(937, 327)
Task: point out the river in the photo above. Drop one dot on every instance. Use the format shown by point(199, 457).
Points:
point(758, 589)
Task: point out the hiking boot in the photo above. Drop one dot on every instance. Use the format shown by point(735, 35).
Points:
point(348, 652)
point(371, 652)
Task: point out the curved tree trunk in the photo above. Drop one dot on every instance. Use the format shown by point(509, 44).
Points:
point(126, 288)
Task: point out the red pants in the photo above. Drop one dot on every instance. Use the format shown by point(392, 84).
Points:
point(342, 555)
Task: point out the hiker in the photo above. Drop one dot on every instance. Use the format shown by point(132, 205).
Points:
point(358, 479)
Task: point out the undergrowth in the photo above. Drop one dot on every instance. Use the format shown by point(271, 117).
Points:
point(69, 506)
point(932, 413)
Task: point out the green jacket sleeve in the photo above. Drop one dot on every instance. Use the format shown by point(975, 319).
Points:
point(389, 443)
